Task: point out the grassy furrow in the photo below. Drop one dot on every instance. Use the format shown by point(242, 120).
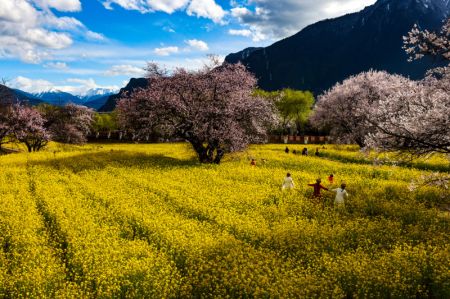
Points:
point(100, 262)
point(29, 265)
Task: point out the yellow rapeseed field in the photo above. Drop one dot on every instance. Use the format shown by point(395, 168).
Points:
point(148, 221)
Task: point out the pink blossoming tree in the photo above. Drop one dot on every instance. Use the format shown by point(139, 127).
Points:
point(6, 102)
point(5, 128)
point(27, 126)
point(214, 109)
point(68, 124)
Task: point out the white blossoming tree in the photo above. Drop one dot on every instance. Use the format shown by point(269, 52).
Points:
point(416, 120)
point(345, 109)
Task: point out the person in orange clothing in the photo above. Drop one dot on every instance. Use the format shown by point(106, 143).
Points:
point(317, 188)
point(331, 179)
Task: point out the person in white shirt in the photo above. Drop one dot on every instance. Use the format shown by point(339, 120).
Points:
point(288, 182)
point(341, 194)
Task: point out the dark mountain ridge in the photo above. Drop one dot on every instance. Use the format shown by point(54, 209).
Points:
point(134, 84)
point(331, 50)
point(54, 97)
point(11, 96)
point(97, 102)
point(57, 97)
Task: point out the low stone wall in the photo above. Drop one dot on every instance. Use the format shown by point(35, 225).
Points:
point(304, 139)
point(118, 136)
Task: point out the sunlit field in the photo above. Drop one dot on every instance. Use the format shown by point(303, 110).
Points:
point(148, 221)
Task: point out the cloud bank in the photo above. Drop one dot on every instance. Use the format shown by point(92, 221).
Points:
point(208, 9)
point(268, 19)
point(30, 31)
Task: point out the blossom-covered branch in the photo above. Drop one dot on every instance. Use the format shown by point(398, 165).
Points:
point(419, 43)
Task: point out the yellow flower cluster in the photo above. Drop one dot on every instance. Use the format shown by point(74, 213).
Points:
point(148, 221)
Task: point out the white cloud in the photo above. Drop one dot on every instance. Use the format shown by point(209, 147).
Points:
point(46, 39)
point(166, 51)
point(125, 70)
point(241, 32)
point(83, 86)
point(191, 63)
point(201, 8)
point(168, 6)
point(168, 29)
point(30, 85)
point(239, 12)
point(78, 86)
point(268, 19)
point(30, 31)
point(95, 36)
point(198, 44)
point(61, 5)
point(208, 9)
point(147, 6)
point(56, 65)
point(61, 23)
point(17, 11)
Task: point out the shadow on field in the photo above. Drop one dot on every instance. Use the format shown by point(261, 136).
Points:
point(121, 159)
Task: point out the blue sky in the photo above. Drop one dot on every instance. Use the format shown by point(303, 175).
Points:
point(76, 45)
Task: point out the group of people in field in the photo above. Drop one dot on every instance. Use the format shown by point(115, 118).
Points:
point(341, 193)
point(304, 151)
point(288, 182)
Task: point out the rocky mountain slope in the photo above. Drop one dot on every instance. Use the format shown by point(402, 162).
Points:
point(331, 50)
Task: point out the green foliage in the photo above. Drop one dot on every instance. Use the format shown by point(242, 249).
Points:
point(105, 122)
point(294, 106)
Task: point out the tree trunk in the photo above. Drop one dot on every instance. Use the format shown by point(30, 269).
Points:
point(219, 155)
point(199, 149)
point(360, 142)
point(207, 154)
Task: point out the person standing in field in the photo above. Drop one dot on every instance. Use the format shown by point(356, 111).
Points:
point(331, 179)
point(253, 162)
point(341, 194)
point(288, 182)
point(305, 152)
point(317, 188)
point(317, 152)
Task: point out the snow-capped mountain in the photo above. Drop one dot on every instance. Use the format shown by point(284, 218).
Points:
point(96, 93)
point(59, 98)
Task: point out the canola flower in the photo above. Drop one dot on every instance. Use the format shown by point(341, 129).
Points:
point(148, 221)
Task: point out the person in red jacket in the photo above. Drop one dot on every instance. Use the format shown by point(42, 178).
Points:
point(331, 179)
point(317, 187)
